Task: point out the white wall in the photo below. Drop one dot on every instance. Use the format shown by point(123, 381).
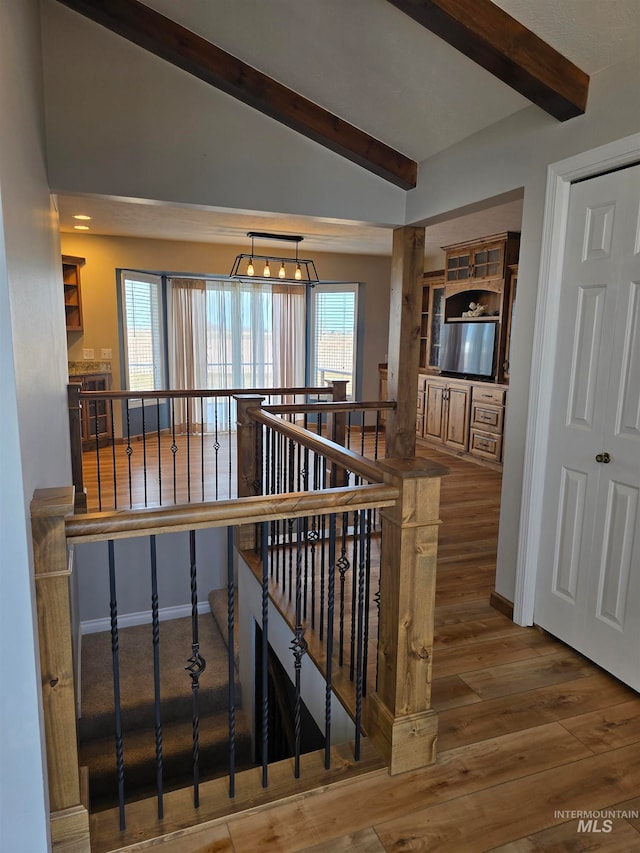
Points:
point(175, 138)
point(512, 154)
point(34, 448)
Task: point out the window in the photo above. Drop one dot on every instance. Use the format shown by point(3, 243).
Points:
point(142, 331)
point(333, 334)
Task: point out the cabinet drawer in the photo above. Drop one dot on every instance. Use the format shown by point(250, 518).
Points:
point(486, 394)
point(485, 445)
point(487, 417)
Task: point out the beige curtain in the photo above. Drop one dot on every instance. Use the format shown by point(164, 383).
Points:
point(289, 336)
point(188, 347)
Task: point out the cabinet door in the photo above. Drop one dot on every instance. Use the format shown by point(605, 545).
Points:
point(457, 425)
point(458, 265)
point(434, 416)
point(436, 319)
point(487, 261)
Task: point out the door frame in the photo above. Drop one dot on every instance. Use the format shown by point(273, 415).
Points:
point(560, 176)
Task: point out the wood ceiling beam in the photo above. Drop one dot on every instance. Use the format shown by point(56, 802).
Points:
point(194, 54)
point(493, 39)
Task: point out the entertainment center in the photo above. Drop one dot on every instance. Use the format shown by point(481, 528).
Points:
point(465, 328)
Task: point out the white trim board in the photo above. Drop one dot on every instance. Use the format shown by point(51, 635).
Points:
point(560, 176)
point(143, 617)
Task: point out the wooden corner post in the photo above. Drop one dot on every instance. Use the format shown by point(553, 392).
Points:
point(69, 816)
point(401, 720)
point(407, 270)
point(249, 449)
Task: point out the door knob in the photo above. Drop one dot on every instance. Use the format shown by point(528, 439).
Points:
point(603, 457)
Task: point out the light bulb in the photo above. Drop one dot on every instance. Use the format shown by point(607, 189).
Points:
point(267, 271)
point(298, 273)
point(250, 269)
point(282, 272)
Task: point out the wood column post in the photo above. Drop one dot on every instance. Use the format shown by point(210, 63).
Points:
point(75, 435)
point(249, 450)
point(69, 817)
point(407, 269)
point(401, 721)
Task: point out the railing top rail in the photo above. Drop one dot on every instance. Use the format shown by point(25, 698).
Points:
point(329, 406)
point(126, 524)
point(200, 392)
point(323, 446)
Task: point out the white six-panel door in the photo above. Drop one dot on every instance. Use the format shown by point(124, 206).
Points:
point(588, 580)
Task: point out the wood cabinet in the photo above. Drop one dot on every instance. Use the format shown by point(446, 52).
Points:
point(487, 422)
point(481, 272)
point(72, 291)
point(96, 414)
point(446, 412)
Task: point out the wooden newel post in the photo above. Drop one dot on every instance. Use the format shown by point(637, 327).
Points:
point(75, 435)
point(69, 817)
point(337, 430)
point(401, 720)
point(249, 448)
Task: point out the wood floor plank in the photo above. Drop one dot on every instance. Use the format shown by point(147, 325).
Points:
point(518, 676)
point(570, 837)
point(515, 809)
point(291, 826)
point(212, 839)
point(470, 632)
point(364, 841)
point(610, 728)
point(485, 720)
point(451, 692)
point(632, 810)
point(481, 655)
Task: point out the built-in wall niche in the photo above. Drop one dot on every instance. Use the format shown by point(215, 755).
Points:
point(459, 299)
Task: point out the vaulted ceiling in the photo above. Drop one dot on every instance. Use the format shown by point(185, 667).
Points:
point(376, 66)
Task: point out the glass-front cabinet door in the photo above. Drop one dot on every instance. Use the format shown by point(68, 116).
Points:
point(436, 315)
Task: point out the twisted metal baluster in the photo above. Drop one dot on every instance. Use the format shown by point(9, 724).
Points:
point(202, 446)
point(330, 608)
point(216, 443)
point(354, 563)
point(187, 403)
point(231, 662)
point(360, 637)
point(174, 446)
point(299, 648)
point(129, 451)
point(343, 567)
point(265, 656)
point(115, 658)
point(197, 666)
point(367, 595)
point(156, 674)
point(94, 403)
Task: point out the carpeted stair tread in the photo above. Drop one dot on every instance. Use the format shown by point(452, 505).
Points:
point(136, 676)
point(177, 737)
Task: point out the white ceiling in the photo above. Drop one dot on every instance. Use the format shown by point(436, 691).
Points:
point(370, 64)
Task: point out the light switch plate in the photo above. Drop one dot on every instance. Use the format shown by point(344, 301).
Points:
point(106, 352)
point(88, 353)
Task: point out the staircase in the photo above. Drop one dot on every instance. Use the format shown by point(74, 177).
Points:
point(97, 723)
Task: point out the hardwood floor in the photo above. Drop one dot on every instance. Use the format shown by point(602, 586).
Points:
point(531, 734)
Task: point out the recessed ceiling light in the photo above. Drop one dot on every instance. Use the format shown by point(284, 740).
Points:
point(81, 216)
point(81, 227)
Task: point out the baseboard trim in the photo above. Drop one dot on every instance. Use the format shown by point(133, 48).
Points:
point(143, 617)
point(499, 602)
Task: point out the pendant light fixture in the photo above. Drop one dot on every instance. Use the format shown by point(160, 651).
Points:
point(295, 270)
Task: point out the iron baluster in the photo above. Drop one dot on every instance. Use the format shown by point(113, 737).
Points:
point(265, 657)
point(202, 446)
point(158, 431)
point(231, 661)
point(299, 648)
point(367, 594)
point(129, 451)
point(343, 567)
point(187, 403)
point(113, 456)
point(354, 563)
point(115, 657)
point(197, 666)
point(96, 419)
point(360, 632)
point(229, 444)
point(144, 453)
point(216, 444)
point(155, 622)
point(330, 613)
point(174, 446)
